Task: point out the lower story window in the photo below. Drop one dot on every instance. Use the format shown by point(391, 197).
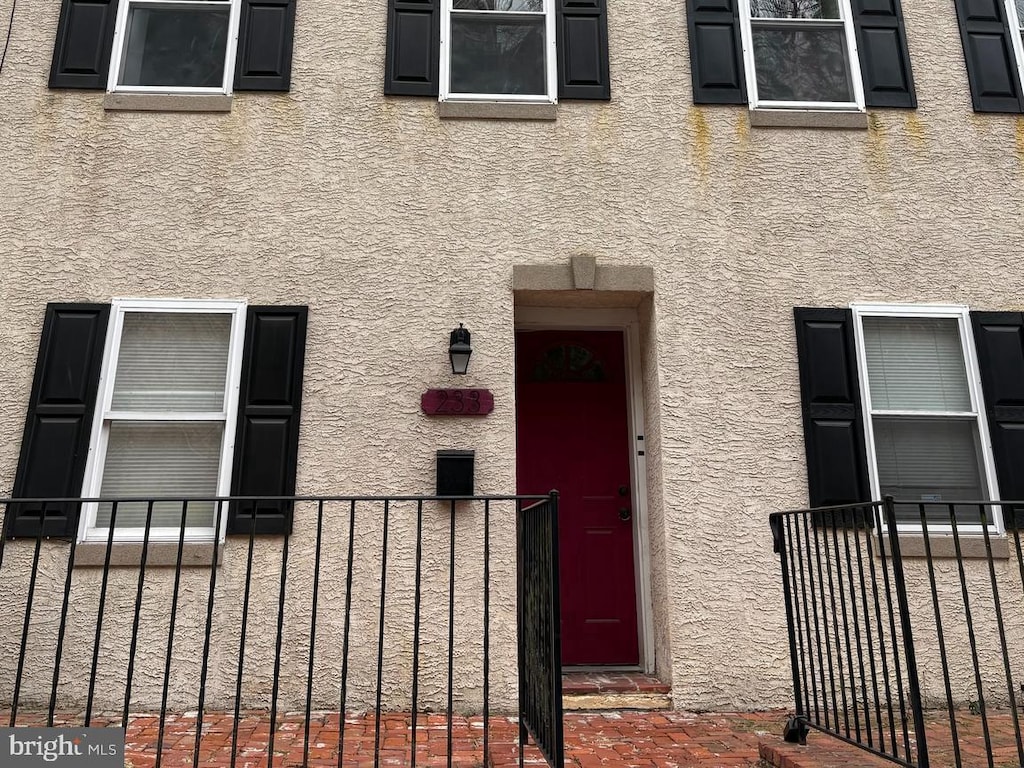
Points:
point(917, 402)
point(922, 405)
point(164, 425)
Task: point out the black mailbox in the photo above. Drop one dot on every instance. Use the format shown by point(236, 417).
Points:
point(455, 473)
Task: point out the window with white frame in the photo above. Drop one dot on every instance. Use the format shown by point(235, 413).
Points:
point(1015, 20)
point(164, 425)
point(801, 53)
point(174, 46)
point(498, 50)
point(925, 426)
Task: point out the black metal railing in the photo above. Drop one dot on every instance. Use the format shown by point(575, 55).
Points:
point(375, 611)
point(540, 654)
point(906, 628)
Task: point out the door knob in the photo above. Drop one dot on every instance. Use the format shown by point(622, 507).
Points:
point(624, 513)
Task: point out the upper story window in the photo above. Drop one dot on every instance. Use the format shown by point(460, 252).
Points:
point(174, 46)
point(801, 53)
point(804, 54)
point(499, 50)
point(538, 51)
point(1015, 17)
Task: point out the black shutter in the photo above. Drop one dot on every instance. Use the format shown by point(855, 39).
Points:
point(830, 398)
point(884, 59)
point(413, 48)
point(581, 36)
point(81, 53)
point(716, 61)
point(999, 337)
point(267, 436)
point(264, 58)
point(988, 49)
point(55, 444)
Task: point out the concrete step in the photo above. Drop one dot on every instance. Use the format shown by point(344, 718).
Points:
point(607, 690)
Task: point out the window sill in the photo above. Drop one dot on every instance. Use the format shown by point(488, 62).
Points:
point(496, 110)
point(807, 118)
point(195, 554)
point(972, 546)
point(166, 102)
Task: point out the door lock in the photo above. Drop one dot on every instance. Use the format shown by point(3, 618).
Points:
point(623, 490)
point(625, 513)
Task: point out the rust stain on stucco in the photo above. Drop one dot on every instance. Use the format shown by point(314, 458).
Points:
point(915, 130)
point(878, 159)
point(1018, 133)
point(701, 150)
point(981, 121)
point(743, 129)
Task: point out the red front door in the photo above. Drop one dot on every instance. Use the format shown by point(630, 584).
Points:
point(572, 435)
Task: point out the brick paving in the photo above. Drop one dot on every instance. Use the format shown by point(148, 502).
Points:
point(824, 751)
point(593, 740)
point(608, 739)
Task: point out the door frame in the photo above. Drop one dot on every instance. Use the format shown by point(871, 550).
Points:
point(628, 322)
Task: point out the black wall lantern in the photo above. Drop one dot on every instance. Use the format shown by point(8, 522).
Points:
point(459, 350)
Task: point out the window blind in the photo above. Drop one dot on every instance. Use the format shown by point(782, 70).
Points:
point(172, 362)
point(161, 459)
point(928, 459)
point(915, 364)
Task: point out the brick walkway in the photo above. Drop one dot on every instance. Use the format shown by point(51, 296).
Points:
point(608, 739)
point(593, 740)
point(823, 751)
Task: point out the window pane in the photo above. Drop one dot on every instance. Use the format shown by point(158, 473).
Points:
point(498, 56)
point(172, 362)
point(532, 6)
point(915, 364)
point(175, 46)
point(934, 460)
point(802, 65)
point(161, 459)
point(795, 9)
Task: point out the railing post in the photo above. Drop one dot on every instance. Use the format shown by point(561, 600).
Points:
point(557, 748)
point(908, 636)
point(795, 730)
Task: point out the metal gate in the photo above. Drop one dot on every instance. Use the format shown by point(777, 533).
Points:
point(540, 647)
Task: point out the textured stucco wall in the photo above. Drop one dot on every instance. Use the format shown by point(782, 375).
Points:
point(393, 225)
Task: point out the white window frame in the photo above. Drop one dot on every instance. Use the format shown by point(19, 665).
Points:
point(87, 530)
point(962, 315)
point(550, 57)
point(853, 55)
point(121, 35)
point(1016, 25)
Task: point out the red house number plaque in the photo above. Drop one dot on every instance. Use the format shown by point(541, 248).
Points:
point(457, 402)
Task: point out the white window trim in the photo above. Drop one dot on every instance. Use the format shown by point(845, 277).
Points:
point(120, 35)
point(550, 60)
point(87, 531)
point(1015, 23)
point(961, 314)
point(853, 56)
